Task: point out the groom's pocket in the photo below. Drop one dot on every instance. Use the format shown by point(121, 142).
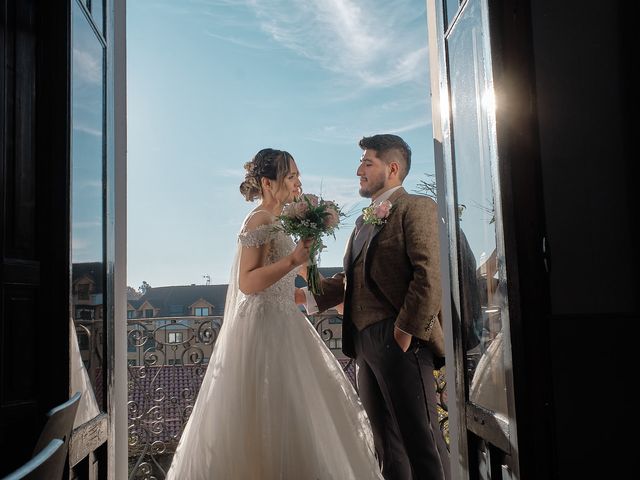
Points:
point(390, 343)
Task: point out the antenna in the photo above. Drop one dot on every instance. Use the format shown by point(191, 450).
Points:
point(207, 278)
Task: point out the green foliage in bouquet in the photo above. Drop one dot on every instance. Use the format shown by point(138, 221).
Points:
point(310, 216)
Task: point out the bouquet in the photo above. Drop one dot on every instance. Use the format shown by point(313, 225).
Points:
point(310, 216)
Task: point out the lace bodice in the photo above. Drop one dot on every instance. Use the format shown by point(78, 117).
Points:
point(279, 245)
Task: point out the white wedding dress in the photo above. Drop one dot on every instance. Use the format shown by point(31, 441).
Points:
point(274, 403)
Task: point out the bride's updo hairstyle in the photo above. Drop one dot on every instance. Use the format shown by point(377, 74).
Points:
point(268, 163)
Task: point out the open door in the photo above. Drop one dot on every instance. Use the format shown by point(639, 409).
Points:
point(476, 196)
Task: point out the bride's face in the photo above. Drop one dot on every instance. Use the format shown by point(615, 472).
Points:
point(291, 186)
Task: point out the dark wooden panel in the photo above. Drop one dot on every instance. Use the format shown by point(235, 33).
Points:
point(20, 417)
point(4, 38)
point(52, 177)
point(19, 354)
point(20, 272)
point(587, 155)
point(20, 138)
point(34, 220)
point(19, 427)
point(594, 376)
point(18, 407)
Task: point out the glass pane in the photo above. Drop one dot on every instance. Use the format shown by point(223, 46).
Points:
point(87, 215)
point(482, 290)
point(97, 12)
point(451, 9)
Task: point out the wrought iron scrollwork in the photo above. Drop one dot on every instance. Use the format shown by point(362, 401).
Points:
point(167, 360)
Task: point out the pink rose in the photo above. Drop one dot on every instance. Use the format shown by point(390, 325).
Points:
point(313, 199)
point(377, 214)
point(331, 217)
point(300, 209)
point(382, 210)
point(289, 210)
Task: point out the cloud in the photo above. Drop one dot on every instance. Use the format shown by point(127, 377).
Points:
point(420, 123)
point(94, 132)
point(86, 67)
point(373, 44)
point(366, 44)
point(237, 41)
point(89, 225)
point(88, 184)
point(347, 134)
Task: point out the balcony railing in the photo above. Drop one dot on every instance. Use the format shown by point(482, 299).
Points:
point(167, 360)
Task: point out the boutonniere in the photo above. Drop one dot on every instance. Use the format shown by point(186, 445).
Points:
point(377, 214)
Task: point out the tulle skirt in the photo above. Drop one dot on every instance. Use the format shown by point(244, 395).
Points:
point(274, 404)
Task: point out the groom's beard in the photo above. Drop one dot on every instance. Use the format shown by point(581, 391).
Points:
point(370, 187)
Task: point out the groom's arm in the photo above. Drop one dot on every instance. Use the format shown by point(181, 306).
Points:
point(332, 294)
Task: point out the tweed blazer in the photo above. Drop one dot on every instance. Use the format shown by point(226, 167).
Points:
point(401, 267)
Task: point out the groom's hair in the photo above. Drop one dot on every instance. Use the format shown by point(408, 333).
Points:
point(390, 148)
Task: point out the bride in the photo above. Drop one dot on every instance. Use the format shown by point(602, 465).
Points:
point(274, 403)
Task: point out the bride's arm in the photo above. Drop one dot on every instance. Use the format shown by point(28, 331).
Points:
point(254, 276)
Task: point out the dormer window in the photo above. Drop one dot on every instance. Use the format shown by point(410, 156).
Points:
point(148, 313)
point(201, 311)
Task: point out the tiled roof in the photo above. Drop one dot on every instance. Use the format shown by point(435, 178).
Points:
point(174, 300)
point(162, 397)
point(160, 401)
point(137, 303)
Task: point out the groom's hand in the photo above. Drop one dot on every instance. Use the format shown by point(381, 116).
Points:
point(403, 339)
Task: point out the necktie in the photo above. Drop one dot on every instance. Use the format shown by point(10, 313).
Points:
point(359, 223)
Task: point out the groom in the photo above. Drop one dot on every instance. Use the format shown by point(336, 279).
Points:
point(391, 293)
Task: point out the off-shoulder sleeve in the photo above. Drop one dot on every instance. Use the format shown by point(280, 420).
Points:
point(257, 237)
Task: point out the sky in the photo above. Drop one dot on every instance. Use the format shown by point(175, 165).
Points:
point(211, 82)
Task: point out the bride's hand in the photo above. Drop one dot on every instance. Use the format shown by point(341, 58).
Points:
point(300, 254)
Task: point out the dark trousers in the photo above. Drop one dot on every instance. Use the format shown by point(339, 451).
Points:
point(397, 390)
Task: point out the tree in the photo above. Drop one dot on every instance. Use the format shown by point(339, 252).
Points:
point(144, 288)
point(132, 293)
point(428, 187)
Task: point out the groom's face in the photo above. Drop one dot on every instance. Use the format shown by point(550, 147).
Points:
point(373, 174)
